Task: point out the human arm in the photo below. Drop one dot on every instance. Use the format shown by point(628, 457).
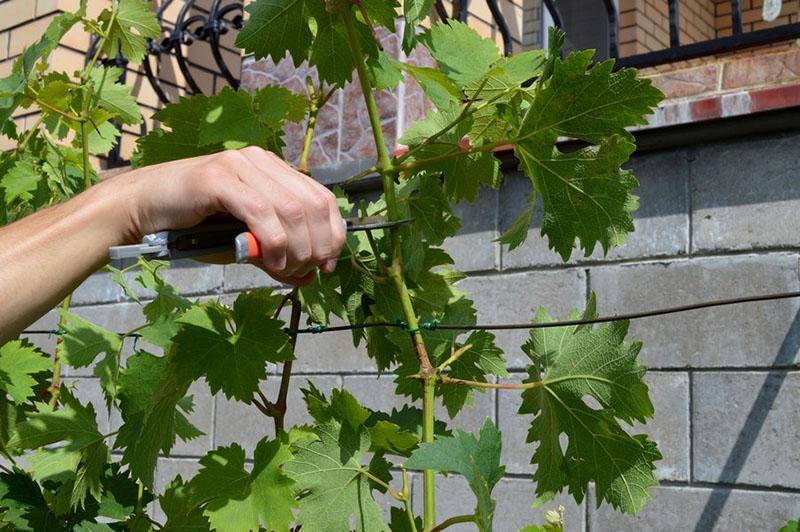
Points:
point(45, 256)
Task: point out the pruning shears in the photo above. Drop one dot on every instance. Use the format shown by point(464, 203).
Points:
point(216, 236)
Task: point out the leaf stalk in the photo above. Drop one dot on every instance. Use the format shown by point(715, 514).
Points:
point(458, 519)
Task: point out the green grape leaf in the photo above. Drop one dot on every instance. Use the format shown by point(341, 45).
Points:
point(72, 422)
point(183, 514)
point(56, 91)
point(102, 138)
point(478, 459)
point(21, 181)
point(436, 85)
point(447, 44)
point(76, 426)
point(580, 361)
point(434, 121)
point(236, 118)
point(463, 175)
point(400, 521)
point(84, 341)
point(791, 526)
point(482, 358)
point(429, 208)
point(585, 194)
point(115, 97)
point(120, 494)
point(163, 311)
point(235, 499)
point(129, 28)
point(18, 363)
point(389, 438)
point(274, 104)
point(232, 361)
point(384, 12)
point(149, 395)
point(331, 55)
point(589, 101)
point(384, 71)
point(504, 80)
point(184, 118)
point(23, 504)
point(517, 232)
point(330, 475)
point(275, 27)
point(414, 12)
point(45, 464)
point(396, 433)
point(320, 299)
point(231, 119)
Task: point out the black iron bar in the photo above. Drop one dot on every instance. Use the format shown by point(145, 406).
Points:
point(502, 26)
point(613, 29)
point(736, 17)
point(181, 36)
point(555, 14)
point(463, 10)
point(214, 27)
point(441, 10)
point(148, 72)
point(674, 24)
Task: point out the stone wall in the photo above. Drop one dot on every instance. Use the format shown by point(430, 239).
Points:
point(717, 220)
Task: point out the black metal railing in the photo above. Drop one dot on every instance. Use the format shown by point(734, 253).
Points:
point(739, 39)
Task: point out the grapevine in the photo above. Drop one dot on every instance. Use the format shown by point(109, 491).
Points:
point(62, 474)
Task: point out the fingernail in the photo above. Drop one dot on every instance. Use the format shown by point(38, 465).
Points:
point(330, 266)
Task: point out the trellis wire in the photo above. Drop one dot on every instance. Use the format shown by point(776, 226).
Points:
point(436, 325)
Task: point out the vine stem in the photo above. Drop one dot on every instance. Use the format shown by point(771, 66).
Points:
point(310, 127)
point(454, 521)
point(388, 174)
point(30, 133)
point(55, 386)
point(139, 497)
point(454, 356)
point(87, 180)
point(286, 373)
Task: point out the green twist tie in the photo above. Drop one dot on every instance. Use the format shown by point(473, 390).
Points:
point(412, 330)
point(316, 329)
point(58, 331)
point(430, 325)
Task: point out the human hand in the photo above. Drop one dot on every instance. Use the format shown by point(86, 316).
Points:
point(295, 219)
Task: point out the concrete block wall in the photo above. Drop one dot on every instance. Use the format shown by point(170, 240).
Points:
point(717, 220)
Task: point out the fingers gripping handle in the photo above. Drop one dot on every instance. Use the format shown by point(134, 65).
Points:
point(248, 248)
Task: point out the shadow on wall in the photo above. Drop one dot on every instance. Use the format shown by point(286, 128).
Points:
point(751, 430)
